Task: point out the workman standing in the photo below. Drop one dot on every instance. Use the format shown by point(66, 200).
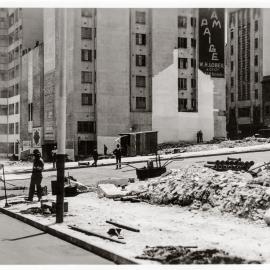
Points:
point(118, 154)
point(36, 178)
point(54, 156)
point(95, 157)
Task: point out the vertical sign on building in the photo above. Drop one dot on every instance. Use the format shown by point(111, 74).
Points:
point(211, 41)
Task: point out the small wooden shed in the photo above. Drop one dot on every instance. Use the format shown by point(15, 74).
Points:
point(139, 143)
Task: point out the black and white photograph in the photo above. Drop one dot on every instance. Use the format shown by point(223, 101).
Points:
point(134, 133)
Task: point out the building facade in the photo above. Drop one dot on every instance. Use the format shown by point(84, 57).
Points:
point(128, 70)
point(20, 30)
point(247, 64)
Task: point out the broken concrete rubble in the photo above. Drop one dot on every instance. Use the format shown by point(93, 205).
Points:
point(202, 188)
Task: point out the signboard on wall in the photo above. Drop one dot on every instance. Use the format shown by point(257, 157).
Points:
point(211, 41)
point(37, 137)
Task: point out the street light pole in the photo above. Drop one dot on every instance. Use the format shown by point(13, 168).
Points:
point(61, 118)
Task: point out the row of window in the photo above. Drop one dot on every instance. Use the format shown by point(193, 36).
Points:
point(11, 128)
point(255, 62)
point(182, 21)
point(182, 42)
point(182, 104)
point(14, 17)
point(182, 83)
point(256, 95)
point(256, 28)
point(15, 35)
point(183, 63)
point(256, 79)
point(9, 109)
point(256, 45)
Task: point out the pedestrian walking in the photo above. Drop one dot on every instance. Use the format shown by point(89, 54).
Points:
point(201, 136)
point(95, 157)
point(54, 156)
point(105, 150)
point(118, 154)
point(198, 137)
point(36, 178)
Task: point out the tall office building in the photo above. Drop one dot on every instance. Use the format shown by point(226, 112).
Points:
point(247, 64)
point(20, 29)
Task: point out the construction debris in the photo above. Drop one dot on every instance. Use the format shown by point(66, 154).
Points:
point(75, 228)
point(174, 147)
point(123, 226)
point(186, 255)
point(234, 164)
point(202, 188)
point(110, 191)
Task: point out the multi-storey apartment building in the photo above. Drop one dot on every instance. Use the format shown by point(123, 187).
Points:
point(20, 29)
point(128, 70)
point(247, 63)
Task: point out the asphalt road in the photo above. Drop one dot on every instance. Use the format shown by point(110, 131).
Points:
point(24, 244)
point(92, 175)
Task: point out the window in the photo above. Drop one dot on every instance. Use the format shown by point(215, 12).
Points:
point(182, 63)
point(193, 43)
point(11, 73)
point(256, 26)
point(3, 109)
point(86, 77)
point(231, 65)
point(16, 89)
point(256, 77)
point(231, 49)
point(232, 97)
point(140, 103)
point(17, 108)
point(193, 103)
point(16, 128)
point(11, 109)
point(182, 21)
point(256, 60)
point(11, 91)
point(232, 81)
point(193, 62)
point(182, 84)
point(86, 55)
point(95, 54)
point(86, 127)
point(87, 99)
point(244, 112)
point(193, 83)
point(86, 12)
point(193, 21)
point(140, 60)
point(182, 42)
point(140, 39)
point(232, 34)
point(86, 33)
point(11, 128)
point(11, 19)
point(30, 111)
point(256, 43)
point(3, 129)
point(140, 81)
point(256, 94)
point(182, 104)
point(140, 17)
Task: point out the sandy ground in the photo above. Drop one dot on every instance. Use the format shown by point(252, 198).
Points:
point(168, 225)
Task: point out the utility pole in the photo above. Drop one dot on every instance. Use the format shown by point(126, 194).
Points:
point(61, 101)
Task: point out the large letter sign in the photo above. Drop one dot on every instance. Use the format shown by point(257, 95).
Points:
point(211, 41)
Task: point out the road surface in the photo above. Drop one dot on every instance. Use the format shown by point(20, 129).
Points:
point(91, 175)
point(24, 244)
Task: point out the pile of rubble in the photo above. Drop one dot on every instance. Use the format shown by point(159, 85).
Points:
point(198, 187)
point(212, 145)
point(187, 255)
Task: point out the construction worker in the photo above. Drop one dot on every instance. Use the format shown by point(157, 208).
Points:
point(36, 178)
point(117, 153)
point(54, 156)
point(95, 157)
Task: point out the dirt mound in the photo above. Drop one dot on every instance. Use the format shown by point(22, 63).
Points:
point(185, 255)
point(203, 188)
